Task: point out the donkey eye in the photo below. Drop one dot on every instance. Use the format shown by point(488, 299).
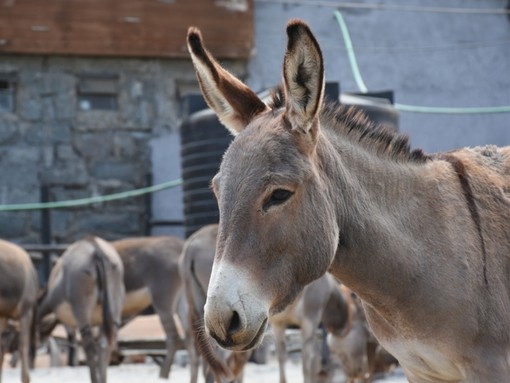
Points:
point(278, 197)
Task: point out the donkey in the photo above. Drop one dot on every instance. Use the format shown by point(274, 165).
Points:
point(306, 187)
point(360, 356)
point(151, 276)
point(85, 289)
point(195, 267)
point(320, 299)
point(18, 294)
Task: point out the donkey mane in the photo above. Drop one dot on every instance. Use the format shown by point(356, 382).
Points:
point(354, 124)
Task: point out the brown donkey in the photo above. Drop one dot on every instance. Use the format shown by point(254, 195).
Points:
point(85, 289)
point(151, 276)
point(306, 188)
point(18, 293)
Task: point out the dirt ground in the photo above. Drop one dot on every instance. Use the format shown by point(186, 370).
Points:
point(148, 372)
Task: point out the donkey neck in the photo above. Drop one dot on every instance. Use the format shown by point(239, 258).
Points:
point(364, 179)
point(378, 202)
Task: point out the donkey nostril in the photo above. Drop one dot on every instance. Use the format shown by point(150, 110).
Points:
point(235, 323)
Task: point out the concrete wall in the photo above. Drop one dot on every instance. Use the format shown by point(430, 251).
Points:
point(427, 58)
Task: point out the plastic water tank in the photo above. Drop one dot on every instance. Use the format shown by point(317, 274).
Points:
point(203, 141)
point(377, 106)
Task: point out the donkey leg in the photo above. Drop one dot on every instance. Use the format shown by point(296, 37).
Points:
point(308, 332)
point(24, 344)
point(106, 346)
point(236, 362)
point(281, 351)
point(164, 307)
point(83, 296)
point(194, 361)
point(72, 355)
point(89, 345)
point(172, 340)
point(3, 325)
point(54, 352)
point(103, 356)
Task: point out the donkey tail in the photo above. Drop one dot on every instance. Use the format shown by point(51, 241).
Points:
point(100, 263)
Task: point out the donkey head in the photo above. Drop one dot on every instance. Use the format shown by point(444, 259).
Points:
point(278, 229)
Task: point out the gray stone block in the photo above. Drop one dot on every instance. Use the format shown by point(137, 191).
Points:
point(65, 105)
point(14, 224)
point(30, 108)
point(65, 152)
point(104, 223)
point(61, 219)
point(48, 106)
point(70, 173)
point(126, 146)
point(48, 132)
point(96, 120)
point(64, 193)
point(18, 176)
point(93, 146)
point(9, 129)
point(19, 155)
point(115, 169)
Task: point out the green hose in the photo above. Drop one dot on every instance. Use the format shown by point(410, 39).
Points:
point(91, 200)
point(404, 107)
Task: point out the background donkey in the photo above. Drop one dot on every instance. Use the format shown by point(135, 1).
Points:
point(195, 266)
point(306, 188)
point(321, 298)
point(18, 293)
point(85, 289)
point(151, 276)
point(359, 353)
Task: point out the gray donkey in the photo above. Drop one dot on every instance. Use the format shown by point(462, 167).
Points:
point(151, 276)
point(18, 294)
point(320, 302)
point(195, 266)
point(85, 289)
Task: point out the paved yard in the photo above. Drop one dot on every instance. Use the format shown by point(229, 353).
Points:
point(149, 327)
point(148, 373)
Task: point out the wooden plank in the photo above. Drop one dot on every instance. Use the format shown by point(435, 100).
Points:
point(132, 28)
point(42, 248)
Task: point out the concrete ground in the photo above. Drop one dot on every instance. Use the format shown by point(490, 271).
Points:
point(148, 371)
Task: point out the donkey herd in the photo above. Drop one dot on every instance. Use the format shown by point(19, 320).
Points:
point(327, 221)
point(97, 286)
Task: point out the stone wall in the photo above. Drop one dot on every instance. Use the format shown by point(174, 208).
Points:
point(48, 140)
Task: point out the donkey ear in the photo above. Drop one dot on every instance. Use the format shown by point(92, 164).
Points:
point(303, 73)
point(234, 103)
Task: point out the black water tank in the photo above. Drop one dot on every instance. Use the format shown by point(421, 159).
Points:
point(204, 140)
point(377, 106)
